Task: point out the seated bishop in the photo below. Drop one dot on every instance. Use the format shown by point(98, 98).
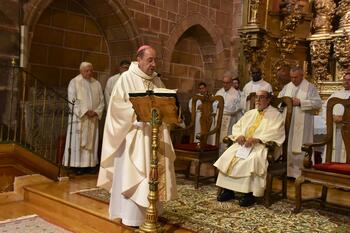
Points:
point(243, 166)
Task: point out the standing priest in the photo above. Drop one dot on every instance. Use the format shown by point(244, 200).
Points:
point(305, 101)
point(82, 135)
point(126, 148)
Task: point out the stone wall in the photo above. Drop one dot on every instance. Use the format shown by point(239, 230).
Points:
point(196, 40)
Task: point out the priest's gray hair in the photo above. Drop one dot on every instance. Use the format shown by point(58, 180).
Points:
point(297, 69)
point(228, 74)
point(84, 64)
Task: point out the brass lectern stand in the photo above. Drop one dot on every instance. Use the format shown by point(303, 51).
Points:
point(155, 108)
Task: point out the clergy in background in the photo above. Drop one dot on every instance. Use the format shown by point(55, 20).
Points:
point(256, 83)
point(202, 90)
point(306, 101)
point(82, 135)
point(243, 166)
point(123, 66)
point(232, 106)
point(338, 150)
point(126, 147)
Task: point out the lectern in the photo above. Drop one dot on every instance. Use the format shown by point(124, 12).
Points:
point(154, 107)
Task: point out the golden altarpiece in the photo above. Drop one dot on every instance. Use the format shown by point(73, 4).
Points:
point(312, 34)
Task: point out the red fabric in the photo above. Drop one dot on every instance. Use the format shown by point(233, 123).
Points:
point(194, 147)
point(341, 168)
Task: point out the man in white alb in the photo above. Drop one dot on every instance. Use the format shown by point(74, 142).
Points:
point(87, 94)
point(306, 100)
point(232, 107)
point(338, 150)
point(126, 147)
point(123, 66)
point(202, 90)
point(255, 84)
point(246, 172)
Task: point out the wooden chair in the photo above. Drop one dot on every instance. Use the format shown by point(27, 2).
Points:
point(329, 174)
point(201, 152)
point(277, 167)
point(251, 99)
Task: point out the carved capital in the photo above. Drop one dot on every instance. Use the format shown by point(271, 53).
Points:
point(343, 10)
point(325, 10)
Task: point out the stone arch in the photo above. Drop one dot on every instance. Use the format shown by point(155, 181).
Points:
point(209, 50)
point(107, 13)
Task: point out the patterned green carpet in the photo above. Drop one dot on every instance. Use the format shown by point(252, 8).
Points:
point(199, 211)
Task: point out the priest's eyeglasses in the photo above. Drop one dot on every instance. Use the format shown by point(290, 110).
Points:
point(261, 97)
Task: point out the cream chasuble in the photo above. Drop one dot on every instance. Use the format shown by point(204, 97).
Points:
point(87, 95)
point(126, 152)
point(302, 124)
point(249, 175)
point(338, 150)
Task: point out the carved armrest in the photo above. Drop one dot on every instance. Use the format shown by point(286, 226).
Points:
point(308, 149)
point(271, 147)
point(227, 140)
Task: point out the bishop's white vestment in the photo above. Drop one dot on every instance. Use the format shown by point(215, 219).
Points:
point(126, 152)
point(87, 95)
point(338, 150)
point(249, 175)
point(302, 124)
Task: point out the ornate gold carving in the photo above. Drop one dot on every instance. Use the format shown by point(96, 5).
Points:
point(324, 14)
point(320, 52)
point(254, 54)
point(342, 52)
point(253, 11)
point(287, 43)
point(343, 10)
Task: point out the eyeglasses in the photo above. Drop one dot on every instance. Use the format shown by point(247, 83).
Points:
point(260, 97)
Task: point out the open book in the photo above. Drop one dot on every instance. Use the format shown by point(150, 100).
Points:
point(164, 100)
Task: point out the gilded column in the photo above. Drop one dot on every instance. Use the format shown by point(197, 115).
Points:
point(321, 41)
point(341, 37)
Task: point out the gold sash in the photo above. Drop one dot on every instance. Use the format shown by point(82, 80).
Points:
point(249, 134)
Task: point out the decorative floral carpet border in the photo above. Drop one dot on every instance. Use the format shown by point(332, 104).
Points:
point(29, 224)
point(199, 210)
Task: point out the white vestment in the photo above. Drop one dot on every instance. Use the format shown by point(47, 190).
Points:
point(338, 150)
point(109, 87)
point(232, 112)
point(88, 95)
point(302, 124)
point(126, 152)
point(251, 87)
point(249, 175)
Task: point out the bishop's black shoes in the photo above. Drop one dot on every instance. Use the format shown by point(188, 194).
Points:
point(226, 195)
point(247, 200)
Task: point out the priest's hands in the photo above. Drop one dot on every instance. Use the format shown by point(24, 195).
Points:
point(337, 118)
point(91, 114)
point(241, 140)
point(296, 101)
